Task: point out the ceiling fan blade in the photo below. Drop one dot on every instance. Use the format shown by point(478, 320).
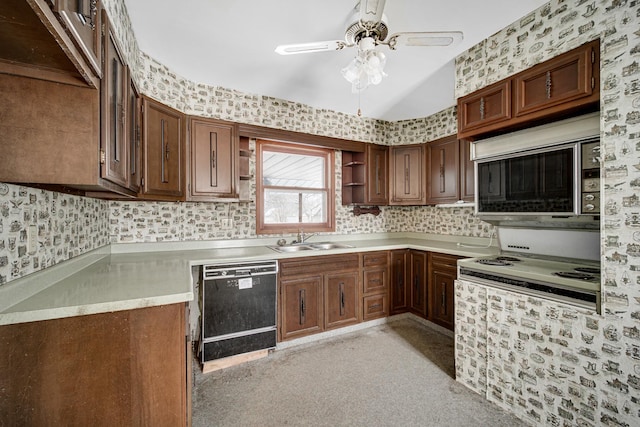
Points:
point(292, 49)
point(371, 10)
point(424, 38)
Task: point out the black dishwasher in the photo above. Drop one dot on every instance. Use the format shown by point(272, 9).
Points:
point(238, 308)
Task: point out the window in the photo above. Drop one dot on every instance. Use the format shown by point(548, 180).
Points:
point(294, 188)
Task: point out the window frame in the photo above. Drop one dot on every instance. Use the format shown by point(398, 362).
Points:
point(263, 145)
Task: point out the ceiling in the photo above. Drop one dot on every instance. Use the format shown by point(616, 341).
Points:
point(231, 44)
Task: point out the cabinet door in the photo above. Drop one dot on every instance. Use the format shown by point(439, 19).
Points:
point(375, 306)
point(407, 175)
point(341, 306)
point(398, 288)
point(442, 293)
point(443, 169)
point(561, 80)
point(214, 160)
point(300, 307)
point(114, 135)
point(134, 108)
point(377, 164)
point(163, 151)
point(82, 19)
point(467, 172)
point(485, 109)
point(418, 285)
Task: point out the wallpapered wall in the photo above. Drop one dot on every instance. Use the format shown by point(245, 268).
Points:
point(587, 368)
point(69, 226)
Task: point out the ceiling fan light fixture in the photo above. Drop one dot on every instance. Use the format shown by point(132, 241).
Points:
point(367, 68)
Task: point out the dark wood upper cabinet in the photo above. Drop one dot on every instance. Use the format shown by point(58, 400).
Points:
point(377, 167)
point(82, 19)
point(406, 175)
point(163, 152)
point(114, 90)
point(443, 164)
point(214, 160)
point(485, 108)
point(134, 125)
point(556, 82)
point(44, 42)
point(467, 172)
point(565, 85)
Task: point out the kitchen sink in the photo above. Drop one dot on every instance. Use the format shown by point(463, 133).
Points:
point(291, 248)
point(323, 246)
point(329, 245)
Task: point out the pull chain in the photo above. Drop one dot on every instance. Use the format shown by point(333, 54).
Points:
point(359, 111)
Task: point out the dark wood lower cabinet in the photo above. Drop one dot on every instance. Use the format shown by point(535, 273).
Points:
point(122, 368)
point(341, 299)
point(443, 273)
point(398, 286)
point(316, 294)
point(300, 306)
point(418, 282)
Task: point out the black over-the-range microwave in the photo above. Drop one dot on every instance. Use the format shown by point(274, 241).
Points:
point(548, 170)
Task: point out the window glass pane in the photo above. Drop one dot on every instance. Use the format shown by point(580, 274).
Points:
point(292, 206)
point(292, 170)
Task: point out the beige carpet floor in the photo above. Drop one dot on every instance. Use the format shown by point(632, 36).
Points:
point(397, 374)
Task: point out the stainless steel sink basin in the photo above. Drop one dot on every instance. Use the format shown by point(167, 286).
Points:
point(329, 245)
point(291, 248)
point(321, 246)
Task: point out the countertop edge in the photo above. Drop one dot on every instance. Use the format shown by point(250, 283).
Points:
point(184, 290)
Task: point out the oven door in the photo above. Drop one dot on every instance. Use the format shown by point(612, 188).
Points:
point(536, 182)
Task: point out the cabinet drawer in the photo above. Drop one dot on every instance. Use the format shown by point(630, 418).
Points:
point(444, 260)
point(375, 280)
point(319, 264)
point(375, 306)
point(375, 259)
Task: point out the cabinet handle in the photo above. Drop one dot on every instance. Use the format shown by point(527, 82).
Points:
point(377, 168)
point(341, 291)
point(165, 151)
point(407, 171)
point(482, 108)
point(548, 84)
point(376, 281)
point(302, 307)
point(115, 120)
point(444, 298)
point(442, 170)
point(372, 306)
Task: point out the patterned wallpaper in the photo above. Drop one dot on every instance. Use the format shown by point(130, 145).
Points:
point(66, 226)
point(594, 378)
point(166, 221)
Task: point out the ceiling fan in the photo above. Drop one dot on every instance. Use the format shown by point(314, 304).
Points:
point(367, 30)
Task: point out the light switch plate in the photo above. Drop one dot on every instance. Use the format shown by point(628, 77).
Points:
point(32, 239)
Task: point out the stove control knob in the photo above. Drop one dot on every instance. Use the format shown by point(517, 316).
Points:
point(589, 207)
point(589, 197)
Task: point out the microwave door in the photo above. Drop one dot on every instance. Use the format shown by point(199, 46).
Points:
point(541, 182)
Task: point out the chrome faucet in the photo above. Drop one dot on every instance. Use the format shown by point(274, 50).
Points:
point(303, 237)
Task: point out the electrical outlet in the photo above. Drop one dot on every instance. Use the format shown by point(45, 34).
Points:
point(227, 223)
point(32, 239)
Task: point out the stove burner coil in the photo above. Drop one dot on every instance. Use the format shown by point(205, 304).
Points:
point(508, 259)
point(589, 270)
point(494, 262)
point(574, 275)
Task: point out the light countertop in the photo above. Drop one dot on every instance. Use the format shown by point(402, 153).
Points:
point(130, 276)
